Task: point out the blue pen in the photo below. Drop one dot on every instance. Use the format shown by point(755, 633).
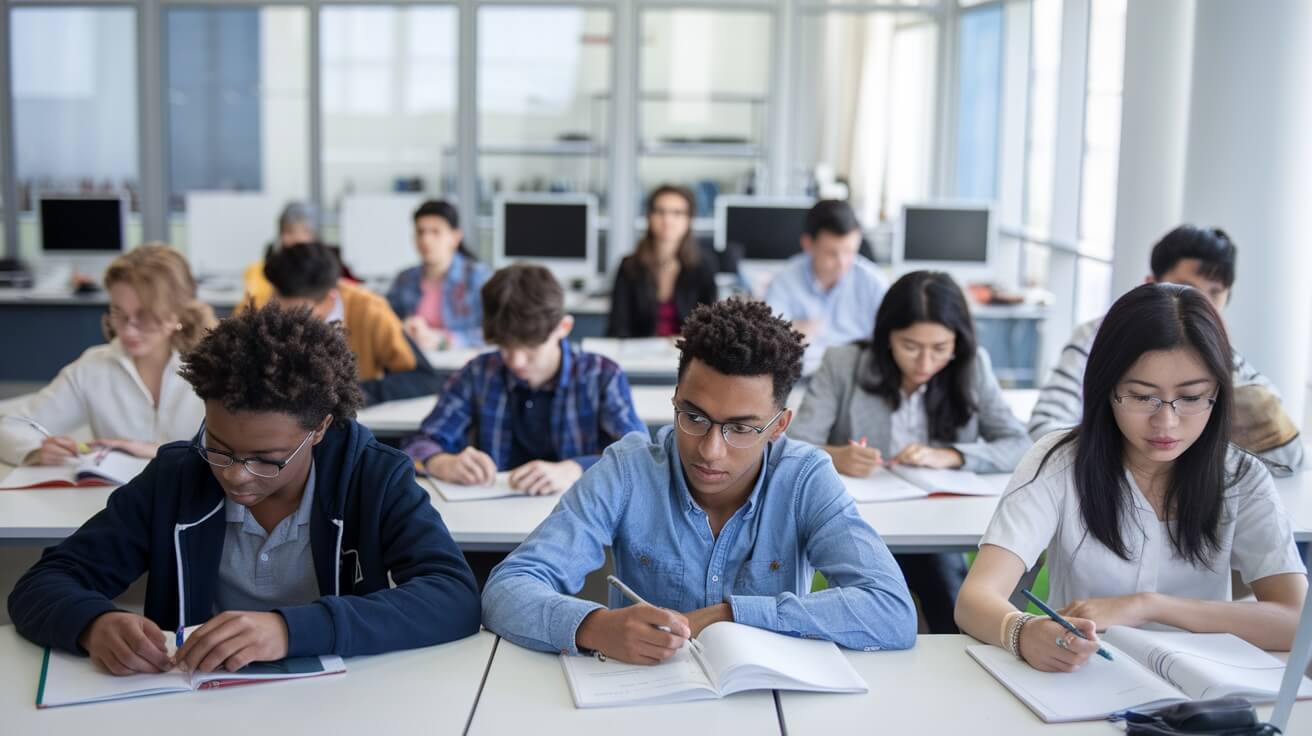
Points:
point(177, 642)
point(1065, 624)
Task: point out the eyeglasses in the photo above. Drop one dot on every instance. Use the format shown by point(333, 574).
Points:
point(1184, 406)
point(662, 212)
point(735, 434)
point(257, 466)
point(145, 323)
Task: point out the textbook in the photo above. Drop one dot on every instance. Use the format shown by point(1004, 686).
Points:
point(99, 468)
point(67, 679)
point(1150, 669)
point(902, 482)
point(500, 488)
point(734, 658)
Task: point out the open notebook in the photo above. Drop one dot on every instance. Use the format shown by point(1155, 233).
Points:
point(67, 679)
point(734, 658)
point(99, 468)
point(500, 488)
point(1151, 669)
point(901, 482)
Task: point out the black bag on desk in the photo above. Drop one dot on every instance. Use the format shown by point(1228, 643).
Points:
point(1232, 716)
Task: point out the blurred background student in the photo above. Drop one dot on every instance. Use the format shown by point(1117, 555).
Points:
point(438, 300)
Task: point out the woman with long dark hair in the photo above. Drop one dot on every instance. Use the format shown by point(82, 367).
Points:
point(919, 392)
point(1146, 506)
point(659, 284)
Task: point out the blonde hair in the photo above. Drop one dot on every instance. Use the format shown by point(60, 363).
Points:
point(164, 284)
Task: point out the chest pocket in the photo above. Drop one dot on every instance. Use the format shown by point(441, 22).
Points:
point(658, 578)
point(767, 576)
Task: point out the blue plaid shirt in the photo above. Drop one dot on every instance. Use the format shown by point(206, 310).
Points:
point(592, 408)
point(462, 305)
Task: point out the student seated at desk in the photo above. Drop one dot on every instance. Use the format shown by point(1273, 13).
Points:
point(721, 518)
point(390, 367)
point(297, 225)
point(919, 393)
point(666, 277)
point(127, 390)
point(280, 527)
point(829, 291)
point(1203, 258)
point(1145, 507)
point(537, 406)
point(438, 300)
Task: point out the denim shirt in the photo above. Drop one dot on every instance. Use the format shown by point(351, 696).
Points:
point(462, 305)
point(846, 311)
point(798, 518)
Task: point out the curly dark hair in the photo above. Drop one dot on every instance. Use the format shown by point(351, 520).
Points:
point(276, 360)
point(739, 337)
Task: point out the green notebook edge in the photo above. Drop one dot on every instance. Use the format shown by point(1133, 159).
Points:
point(41, 685)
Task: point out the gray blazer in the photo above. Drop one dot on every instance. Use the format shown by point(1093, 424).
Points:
point(836, 409)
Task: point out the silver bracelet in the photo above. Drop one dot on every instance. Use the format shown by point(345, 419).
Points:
point(1013, 641)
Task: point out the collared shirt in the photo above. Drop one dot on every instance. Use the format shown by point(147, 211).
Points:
point(461, 302)
point(530, 425)
point(909, 424)
point(1041, 510)
point(798, 518)
point(260, 570)
point(845, 312)
point(337, 313)
point(592, 407)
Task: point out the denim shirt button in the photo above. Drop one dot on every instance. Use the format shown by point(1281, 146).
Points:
point(715, 578)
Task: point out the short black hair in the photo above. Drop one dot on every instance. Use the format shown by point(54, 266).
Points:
point(276, 360)
point(522, 305)
point(740, 337)
point(439, 208)
point(306, 271)
point(1212, 247)
point(832, 216)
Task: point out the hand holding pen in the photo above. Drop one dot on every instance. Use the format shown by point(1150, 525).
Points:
point(1063, 651)
point(54, 450)
point(856, 458)
point(637, 634)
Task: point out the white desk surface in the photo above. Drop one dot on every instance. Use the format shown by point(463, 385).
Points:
point(942, 522)
point(376, 695)
point(526, 692)
point(936, 688)
point(654, 359)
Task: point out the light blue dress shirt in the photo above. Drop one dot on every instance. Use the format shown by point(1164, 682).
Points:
point(798, 518)
point(846, 311)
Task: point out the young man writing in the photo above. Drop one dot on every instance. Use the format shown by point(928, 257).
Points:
point(281, 527)
point(1203, 258)
point(721, 518)
point(829, 291)
point(537, 406)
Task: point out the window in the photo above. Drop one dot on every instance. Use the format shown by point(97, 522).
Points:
point(237, 101)
point(1102, 126)
point(979, 98)
point(75, 106)
point(388, 75)
point(1041, 135)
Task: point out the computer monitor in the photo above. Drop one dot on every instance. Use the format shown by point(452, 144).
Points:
point(557, 231)
point(763, 232)
point(81, 227)
point(957, 238)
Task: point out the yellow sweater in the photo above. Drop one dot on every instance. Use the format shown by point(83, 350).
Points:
point(372, 329)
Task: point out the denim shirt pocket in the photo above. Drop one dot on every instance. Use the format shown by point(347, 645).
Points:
point(657, 577)
point(768, 576)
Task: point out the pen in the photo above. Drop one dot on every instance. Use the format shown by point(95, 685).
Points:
point(1065, 624)
point(633, 597)
point(177, 641)
point(82, 447)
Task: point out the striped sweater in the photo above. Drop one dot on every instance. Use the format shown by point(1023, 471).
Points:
point(1061, 400)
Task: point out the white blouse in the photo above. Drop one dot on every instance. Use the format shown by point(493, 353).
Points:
point(103, 390)
point(1040, 509)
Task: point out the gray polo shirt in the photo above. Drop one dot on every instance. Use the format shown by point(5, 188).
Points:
point(262, 571)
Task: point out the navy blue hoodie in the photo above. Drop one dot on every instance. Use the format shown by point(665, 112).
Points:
point(369, 518)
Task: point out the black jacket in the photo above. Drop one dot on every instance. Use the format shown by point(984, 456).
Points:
point(633, 300)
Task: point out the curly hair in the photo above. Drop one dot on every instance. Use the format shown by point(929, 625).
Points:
point(738, 337)
point(276, 360)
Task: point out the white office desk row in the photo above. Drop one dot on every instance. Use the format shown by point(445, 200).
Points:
point(938, 524)
point(934, 688)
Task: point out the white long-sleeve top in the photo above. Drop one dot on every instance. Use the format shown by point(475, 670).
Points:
point(102, 389)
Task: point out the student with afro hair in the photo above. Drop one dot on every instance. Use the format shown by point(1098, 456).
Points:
point(279, 528)
point(721, 518)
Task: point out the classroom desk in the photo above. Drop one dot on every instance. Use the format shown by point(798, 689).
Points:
point(526, 692)
point(381, 694)
point(939, 524)
point(936, 688)
point(644, 363)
